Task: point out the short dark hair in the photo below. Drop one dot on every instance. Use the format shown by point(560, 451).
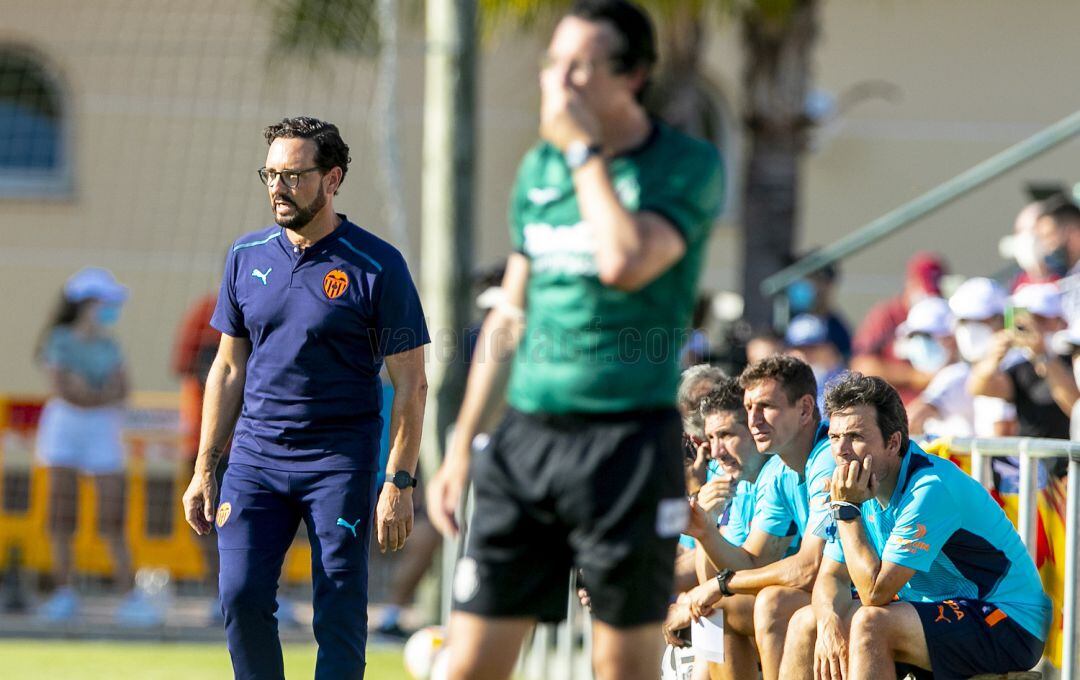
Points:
point(856, 389)
point(795, 376)
point(727, 395)
point(331, 151)
point(637, 39)
point(1063, 211)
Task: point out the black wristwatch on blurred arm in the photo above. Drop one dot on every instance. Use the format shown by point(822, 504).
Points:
point(722, 580)
point(402, 480)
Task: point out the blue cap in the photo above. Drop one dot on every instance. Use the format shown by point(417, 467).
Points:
point(805, 330)
point(94, 283)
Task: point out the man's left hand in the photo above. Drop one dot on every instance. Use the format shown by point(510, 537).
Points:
point(853, 482)
point(564, 117)
point(393, 517)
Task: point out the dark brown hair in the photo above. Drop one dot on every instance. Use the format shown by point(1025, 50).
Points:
point(856, 389)
point(331, 151)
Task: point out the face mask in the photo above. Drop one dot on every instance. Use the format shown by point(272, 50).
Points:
point(973, 341)
point(801, 296)
point(108, 315)
point(1057, 262)
point(1028, 252)
point(926, 354)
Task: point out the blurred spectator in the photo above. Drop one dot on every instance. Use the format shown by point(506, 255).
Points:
point(946, 408)
point(808, 339)
point(763, 345)
point(1059, 226)
point(1028, 249)
point(196, 345)
point(1073, 336)
point(696, 348)
point(80, 432)
point(1041, 385)
point(194, 351)
point(814, 295)
point(874, 340)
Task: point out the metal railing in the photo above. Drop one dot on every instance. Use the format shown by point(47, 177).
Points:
point(915, 209)
point(1030, 451)
point(564, 650)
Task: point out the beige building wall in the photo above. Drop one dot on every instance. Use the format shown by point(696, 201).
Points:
point(167, 102)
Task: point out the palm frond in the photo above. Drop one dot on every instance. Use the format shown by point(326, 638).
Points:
point(313, 27)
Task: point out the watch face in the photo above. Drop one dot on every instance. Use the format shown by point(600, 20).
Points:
point(402, 480)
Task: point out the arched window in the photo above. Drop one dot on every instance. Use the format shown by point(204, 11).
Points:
point(33, 153)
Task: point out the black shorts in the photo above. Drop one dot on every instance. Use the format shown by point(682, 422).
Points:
point(971, 637)
point(602, 493)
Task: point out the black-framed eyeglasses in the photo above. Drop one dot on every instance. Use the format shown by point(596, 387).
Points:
point(291, 178)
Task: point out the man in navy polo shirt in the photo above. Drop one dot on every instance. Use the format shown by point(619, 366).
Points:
point(308, 310)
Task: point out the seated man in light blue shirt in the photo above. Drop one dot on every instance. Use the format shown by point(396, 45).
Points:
point(945, 587)
point(724, 513)
point(780, 397)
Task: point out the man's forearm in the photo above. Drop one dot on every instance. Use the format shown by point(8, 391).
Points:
point(620, 240)
point(796, 571)
point(406, 426)
point(723, 555)
point(221, 407)
point(495, 346)
point(1062, 385)
point(830, 597)
point(863, 563)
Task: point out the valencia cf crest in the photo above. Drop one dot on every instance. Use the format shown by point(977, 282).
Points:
point(335, 283)
point(223, 512)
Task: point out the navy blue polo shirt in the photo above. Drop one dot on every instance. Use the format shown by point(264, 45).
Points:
point(320, 322)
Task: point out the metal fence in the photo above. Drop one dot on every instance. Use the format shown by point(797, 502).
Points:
point(564, 650)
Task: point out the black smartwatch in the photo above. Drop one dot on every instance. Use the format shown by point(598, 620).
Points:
point(722, 580)
point(402, 480)
point(843, 512)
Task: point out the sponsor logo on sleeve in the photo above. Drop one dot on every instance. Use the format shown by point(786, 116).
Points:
point(910, 543)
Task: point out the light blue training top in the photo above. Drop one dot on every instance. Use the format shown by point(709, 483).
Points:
point(793, 501)
point(946, 526)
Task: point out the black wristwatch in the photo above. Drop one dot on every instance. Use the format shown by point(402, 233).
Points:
point(843, 512)
point(722, 580)
point(402, 480)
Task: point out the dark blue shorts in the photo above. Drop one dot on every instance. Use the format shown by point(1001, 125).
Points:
point(969, 637)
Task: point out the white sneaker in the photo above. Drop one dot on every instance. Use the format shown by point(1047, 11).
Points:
point(139, 611)
point(62, 606)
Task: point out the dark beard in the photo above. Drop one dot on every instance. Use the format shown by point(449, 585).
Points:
point(303, 215)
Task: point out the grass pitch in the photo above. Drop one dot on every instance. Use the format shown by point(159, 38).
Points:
point(78, 660)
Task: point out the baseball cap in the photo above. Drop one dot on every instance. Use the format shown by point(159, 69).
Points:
point(94, 283)
point(927, 268)
point(1043, 299)
point(931, 316)
point(977, 299)
point(805, 330)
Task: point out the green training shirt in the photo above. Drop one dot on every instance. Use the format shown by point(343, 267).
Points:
point(589, 348)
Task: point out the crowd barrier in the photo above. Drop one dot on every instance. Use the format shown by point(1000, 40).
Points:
point(157, 473)
point(1047, 519)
